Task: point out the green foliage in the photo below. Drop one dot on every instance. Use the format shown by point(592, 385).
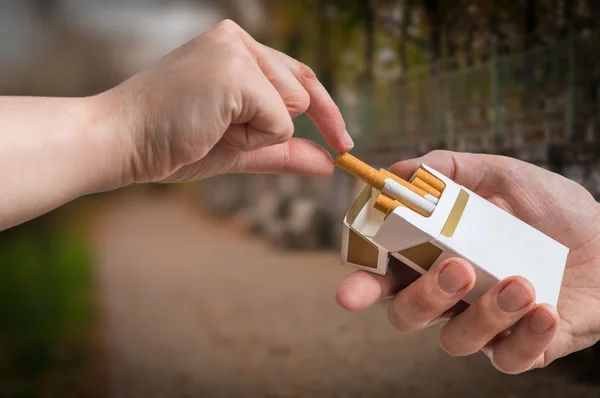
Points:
point(45, 303)
point(350, 12)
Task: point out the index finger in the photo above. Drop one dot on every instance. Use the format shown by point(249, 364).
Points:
point(322, 110)
point(361, 290)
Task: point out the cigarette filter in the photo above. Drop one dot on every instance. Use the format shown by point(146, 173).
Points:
point(360, 169)
point(426, 187)
point(385, 204)
point(430, 180)
point(419, 191)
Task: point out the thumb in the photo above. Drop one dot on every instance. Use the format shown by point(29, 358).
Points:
point(473, 171)
point(296, 156)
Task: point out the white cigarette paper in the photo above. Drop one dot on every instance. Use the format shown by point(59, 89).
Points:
point(398, 192)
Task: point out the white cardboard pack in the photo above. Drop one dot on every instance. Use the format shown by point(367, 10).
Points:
point(463, 224)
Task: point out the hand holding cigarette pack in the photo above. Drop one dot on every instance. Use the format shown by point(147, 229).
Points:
point(430, 218)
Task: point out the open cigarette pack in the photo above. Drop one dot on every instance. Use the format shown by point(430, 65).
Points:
point(461, 224)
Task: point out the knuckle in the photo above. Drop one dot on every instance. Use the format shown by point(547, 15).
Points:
point(516, 359)
point(488, 320)
point(297, 102)
point(398, 319)
point(395, 319)
point(306, 72)
point(227, 26)
point(448, 343)
point(228, 39)
point(237, 165)
point(285, 131)
point(427, 303)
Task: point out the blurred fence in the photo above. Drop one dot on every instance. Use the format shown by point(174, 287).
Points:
point(511, 101)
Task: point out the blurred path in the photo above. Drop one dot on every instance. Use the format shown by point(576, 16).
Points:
point(193, 307)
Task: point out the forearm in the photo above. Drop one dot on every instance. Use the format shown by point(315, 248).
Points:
point(53, 150)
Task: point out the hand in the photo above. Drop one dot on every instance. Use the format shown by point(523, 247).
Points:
point(222, 103)
point(549, 202)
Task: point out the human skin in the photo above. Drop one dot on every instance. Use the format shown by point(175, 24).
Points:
point(221, 103)
point(224, 103)
point(549, 202)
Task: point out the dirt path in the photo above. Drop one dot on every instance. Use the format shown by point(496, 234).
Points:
point(196, 308)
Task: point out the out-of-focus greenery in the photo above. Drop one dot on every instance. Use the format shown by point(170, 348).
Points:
point(46, 310)
point(415, 75)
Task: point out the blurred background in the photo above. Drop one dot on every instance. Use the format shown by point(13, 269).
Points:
point(226, 287)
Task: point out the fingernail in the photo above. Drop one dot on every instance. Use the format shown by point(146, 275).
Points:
point(513, 297)
point(540, 321)
point(348, 140)
point(453, 278)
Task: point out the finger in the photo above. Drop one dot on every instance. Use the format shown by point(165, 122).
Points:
point(322, 109)
point(431, 295)
point(361, 289)
point(523, 349)
point(474, 171)
point(294, 96)
point(498, 309)
point(296, 156)
point(261, 117)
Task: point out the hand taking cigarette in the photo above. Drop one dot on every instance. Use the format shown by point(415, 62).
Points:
point(222, 103)
point(549, 202)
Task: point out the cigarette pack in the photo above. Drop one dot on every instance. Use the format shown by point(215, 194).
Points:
point(463, 224)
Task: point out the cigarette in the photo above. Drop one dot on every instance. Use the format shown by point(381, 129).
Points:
point(418, 190)
point(426, 187)
point(361, 170)
point(383, 183)
point(408, 197)
point(385, 204)
point(430, 180)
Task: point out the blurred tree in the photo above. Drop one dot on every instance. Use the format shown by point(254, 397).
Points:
point(353, 14)
point(445, 34)
point(397, 19)
point(406, 7)
point(324, 56)
point(364, 11)
point(565, 17)
point(434, 14)
point(531, 23)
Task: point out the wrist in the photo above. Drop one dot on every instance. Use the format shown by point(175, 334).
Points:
point(105, 142)
point(121, 120)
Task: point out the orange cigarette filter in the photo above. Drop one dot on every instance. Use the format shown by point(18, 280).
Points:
point(361, 170)
point(385, 204)
point(417, 182)
point(419, 191)
point(430, 180)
